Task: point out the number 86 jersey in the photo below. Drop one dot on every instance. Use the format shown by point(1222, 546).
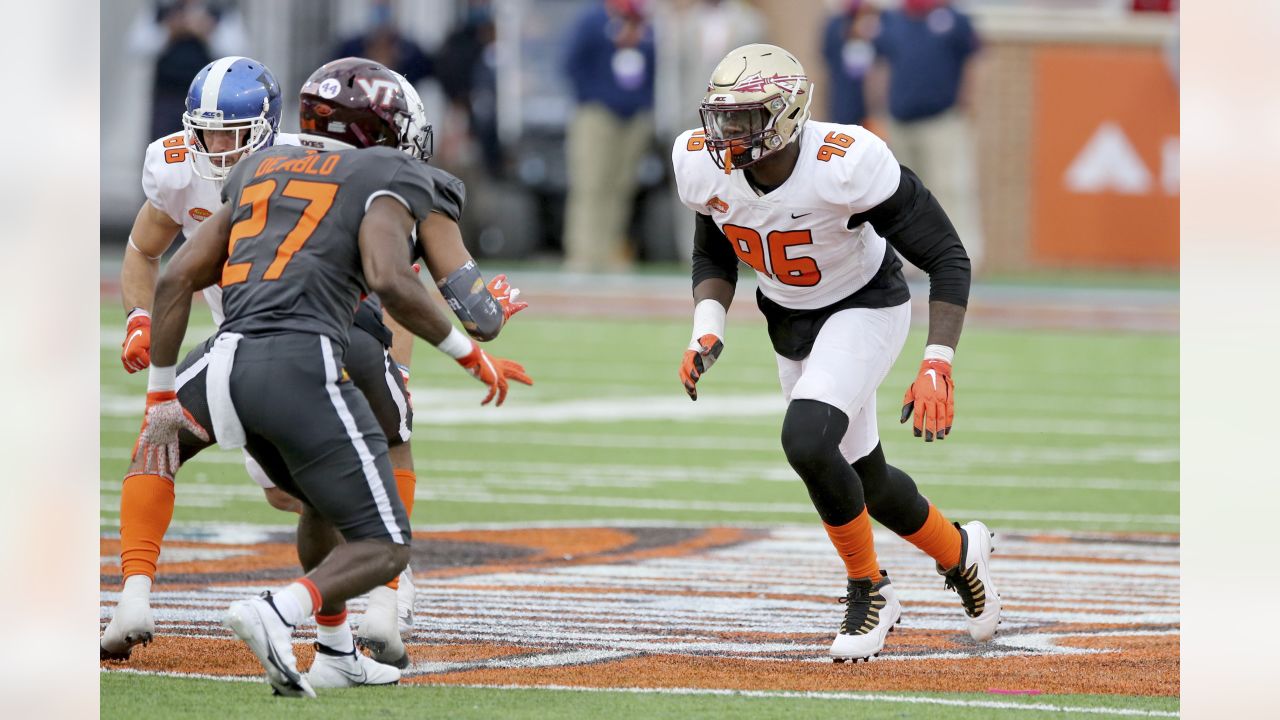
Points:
point(797, 237)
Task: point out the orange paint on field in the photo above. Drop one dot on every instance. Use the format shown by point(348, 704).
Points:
point(589, 608)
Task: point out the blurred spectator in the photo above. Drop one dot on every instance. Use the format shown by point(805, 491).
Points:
point(847, 47)
point(183, 36)
point(927, 49)
point(382, 43)
point(609, 63)
point(692, 37)
point(466, 65)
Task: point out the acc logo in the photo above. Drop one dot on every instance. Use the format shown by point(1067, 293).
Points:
point(380, 92)
point(199, 214)
point(717, 205)
point(329, 88)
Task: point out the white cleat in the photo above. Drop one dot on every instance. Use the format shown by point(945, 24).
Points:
point(131, 624)
point(405, 596)
point(971, 580)
point(379, 630)
point(257, 622)
point(333, 669)
point(871, 612)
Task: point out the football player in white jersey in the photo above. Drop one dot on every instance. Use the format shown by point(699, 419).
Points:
point(233, 109)
point(821, 212)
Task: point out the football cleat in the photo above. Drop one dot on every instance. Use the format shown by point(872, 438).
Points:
point(131, 624)
point(334, 669)
point(257, 622)
point(871, 611)
point(406, 593)
point(971, 579)
point(379, 630)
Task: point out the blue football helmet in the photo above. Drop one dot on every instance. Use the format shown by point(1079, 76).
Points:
point(231, 94)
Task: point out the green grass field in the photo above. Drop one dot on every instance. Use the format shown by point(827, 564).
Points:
point(1072, 431)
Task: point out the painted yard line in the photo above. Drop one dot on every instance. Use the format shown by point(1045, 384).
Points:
point(844, 696)
point(248, 533)
point(971, 454)
point(772, 507)
point(679, 409)
point(641, 478)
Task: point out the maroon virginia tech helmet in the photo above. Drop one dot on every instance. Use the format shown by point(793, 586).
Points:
point(352, 103)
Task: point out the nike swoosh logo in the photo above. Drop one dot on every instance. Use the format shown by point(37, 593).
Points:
point(797, 217)
point(358, 678)
point(933, 376)
point(130, 338)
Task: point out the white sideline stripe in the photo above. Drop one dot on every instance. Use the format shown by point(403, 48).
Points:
point(848, 697)
point(193, 676)
point(357, 441)
point(213, 82)
point(402, 409)
point(855, 697)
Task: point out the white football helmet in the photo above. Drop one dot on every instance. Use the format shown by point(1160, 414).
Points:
point(756, 103)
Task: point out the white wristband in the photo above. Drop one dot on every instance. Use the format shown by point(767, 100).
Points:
point(456, 345)
point(708, 319)
point(162, 379)
point(136, 312)
point(939, 352)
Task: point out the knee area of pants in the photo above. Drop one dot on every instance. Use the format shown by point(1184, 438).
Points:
point(812, 429)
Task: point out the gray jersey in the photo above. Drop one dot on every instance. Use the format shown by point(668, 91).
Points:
point(294, 262)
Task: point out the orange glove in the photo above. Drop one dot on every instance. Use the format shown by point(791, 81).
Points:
point(156, 451)
point(493, 371)
point(506, 295)
point(697, 360)
point(932, 398)
point(137, 341)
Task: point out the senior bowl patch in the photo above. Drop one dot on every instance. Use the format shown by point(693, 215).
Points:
point(199, 214)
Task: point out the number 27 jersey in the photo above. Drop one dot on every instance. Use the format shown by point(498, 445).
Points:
point(797, 237)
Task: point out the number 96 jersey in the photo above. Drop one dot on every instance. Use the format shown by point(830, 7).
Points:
point(797, 237)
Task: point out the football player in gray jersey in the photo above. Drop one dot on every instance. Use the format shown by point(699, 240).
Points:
point(304, 233)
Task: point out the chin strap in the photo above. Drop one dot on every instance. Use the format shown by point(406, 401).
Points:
point(728, 161)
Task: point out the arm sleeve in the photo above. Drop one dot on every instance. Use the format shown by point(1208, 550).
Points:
point(713, 256)
point(915, 225)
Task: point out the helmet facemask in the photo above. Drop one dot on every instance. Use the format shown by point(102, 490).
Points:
point(252, 134)
point(740, 134)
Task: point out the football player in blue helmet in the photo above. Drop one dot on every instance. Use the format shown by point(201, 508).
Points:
point(233, 109)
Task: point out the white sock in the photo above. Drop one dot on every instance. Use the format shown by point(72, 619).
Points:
point(294, 603)
point(337, 636)
point(136, 587)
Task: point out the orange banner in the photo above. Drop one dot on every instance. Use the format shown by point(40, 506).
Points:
point(1105, 158)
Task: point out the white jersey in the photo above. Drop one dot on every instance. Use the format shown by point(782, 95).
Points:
point(797, 236)
point(171, 184)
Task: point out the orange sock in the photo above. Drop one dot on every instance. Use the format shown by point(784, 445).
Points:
point(406, 483)
point(146, 507)
point(856, 545)
point(938, 538)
